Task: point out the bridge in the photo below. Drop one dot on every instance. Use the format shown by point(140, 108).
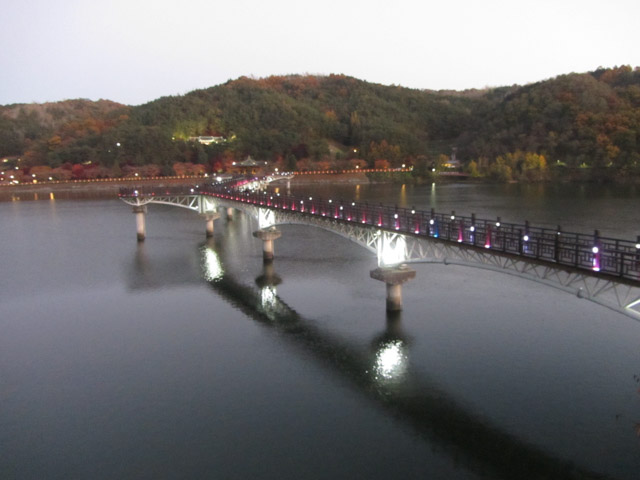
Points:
point(602, 270)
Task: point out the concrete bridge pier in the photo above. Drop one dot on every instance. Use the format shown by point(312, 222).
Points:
point(210, 217)
point(393, 277)
point(267, 236)
point(140, 211)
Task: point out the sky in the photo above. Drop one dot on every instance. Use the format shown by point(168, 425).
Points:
point(134, 51)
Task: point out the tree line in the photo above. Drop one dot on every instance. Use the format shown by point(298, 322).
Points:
point(572, 126)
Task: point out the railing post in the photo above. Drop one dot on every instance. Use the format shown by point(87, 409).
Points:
point(450, 224)
point(595, 262)
point(499, 233)
point(520, 242)
point(473, 229)
point(619, 259)
point(556, 245)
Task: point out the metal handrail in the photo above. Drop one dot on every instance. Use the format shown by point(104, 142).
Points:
point(610, 256)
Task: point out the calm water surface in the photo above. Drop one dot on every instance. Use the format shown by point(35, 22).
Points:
point(186, 358)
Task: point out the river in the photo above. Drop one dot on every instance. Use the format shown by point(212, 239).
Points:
point(186, 358)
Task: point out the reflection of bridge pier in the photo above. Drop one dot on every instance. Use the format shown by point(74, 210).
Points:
point(268, 278)
point(383, 373)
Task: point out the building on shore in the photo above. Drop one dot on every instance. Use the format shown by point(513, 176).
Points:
point(249, 166)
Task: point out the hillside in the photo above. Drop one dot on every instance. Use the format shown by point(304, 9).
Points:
point(587, 121)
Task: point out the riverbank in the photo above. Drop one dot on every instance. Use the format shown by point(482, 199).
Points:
point(107, 187)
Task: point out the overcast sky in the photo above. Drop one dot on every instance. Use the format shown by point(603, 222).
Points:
point(133, 51)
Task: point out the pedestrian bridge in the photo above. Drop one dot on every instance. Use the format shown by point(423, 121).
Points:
point(603, 270)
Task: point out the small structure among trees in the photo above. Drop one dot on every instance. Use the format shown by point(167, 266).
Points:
point(249, 166)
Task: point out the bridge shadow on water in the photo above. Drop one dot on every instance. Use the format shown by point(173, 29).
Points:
point(380, 373)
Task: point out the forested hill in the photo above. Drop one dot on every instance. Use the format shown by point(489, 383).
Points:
point(589, 121)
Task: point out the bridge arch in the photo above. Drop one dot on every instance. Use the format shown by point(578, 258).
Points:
point(393, 248)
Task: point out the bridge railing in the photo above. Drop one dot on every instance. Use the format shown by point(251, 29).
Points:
point(586, 252)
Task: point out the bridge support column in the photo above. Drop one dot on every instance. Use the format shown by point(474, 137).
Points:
point(229, 213)
point(210, 217)
point(394, 277)
point(267, 236)
point(140, 211)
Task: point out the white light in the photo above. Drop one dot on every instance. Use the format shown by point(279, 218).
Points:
point(497, 224)
point(638, 246)
point(453, 217)
point(413, 212)
point(268, 297)
point(211, 265)
point(395, 215)
point(391, 360)
point(472, 228)
point(218, 179)
point(595, 250)
point(526, 238)
point(391, 251)
point(431, 222)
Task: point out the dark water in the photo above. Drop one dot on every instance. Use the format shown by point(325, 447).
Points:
point(181, 358)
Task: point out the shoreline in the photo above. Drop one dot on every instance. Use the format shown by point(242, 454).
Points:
point(105, 188)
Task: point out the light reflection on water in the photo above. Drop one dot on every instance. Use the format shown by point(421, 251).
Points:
point(391, 360)
point(151, 346)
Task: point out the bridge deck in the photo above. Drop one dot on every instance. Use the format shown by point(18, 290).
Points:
point(599, 256)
